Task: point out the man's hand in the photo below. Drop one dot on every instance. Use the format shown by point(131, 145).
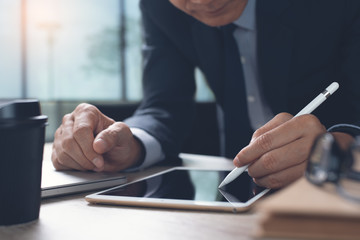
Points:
point(279, 150)
point(89, 140)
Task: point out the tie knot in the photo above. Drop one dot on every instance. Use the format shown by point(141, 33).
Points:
point(229, 29)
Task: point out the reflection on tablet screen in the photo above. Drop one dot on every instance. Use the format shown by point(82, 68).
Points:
point(198, 185)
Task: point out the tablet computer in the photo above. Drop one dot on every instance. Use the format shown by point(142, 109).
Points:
point(183, 188)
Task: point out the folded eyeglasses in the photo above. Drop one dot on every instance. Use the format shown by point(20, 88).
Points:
point(329, 163)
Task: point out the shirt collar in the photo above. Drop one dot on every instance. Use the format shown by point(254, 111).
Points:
point(247, 18)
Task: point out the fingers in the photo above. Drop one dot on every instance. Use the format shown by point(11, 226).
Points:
point(115, 135)
point(279, 151)
point(55, 161)
point(273, 123)
point(81, 143)
point(75, 146)
point(280, 159)
point(277, 121)
point(282, 178)
point(66, 163)
point(118, 146)
point(283, 134)
point(64, 144)
point(73, 143)
point(67, 153)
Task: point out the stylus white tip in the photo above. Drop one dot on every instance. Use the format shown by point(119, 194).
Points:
point(233, 174)
point(332, 88)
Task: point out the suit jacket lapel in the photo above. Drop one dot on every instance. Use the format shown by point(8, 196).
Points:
point(274, 51)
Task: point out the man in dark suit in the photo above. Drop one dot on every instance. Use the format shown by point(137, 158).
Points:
point(264, 60)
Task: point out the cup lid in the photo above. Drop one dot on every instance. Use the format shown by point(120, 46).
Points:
point(20, 109)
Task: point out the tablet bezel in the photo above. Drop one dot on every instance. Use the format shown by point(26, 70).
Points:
point(98, 198)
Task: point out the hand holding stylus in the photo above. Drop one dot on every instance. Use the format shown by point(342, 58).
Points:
point(278, 150)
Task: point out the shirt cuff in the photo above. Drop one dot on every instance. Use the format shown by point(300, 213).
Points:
point(153, 150)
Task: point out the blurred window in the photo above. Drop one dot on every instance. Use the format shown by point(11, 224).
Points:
point(64, 52)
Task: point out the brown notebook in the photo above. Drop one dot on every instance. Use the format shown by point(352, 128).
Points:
point(306, 211)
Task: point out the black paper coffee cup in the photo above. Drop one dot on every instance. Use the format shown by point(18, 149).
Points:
point(22, 138)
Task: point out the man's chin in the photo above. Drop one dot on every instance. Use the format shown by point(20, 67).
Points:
point(217, 21)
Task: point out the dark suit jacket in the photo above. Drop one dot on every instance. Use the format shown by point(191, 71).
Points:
point(303, 46)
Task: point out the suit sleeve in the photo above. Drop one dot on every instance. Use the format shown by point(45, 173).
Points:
point(167, 109)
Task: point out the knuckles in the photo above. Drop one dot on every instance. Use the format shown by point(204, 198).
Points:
point(61, 158)
point(269, 162)
point(256, 133)
point(85, 107)
point(284, 116)
point(81, 129)
point(67, 144)
point(311, 125)
point(264, 142)
point(274, 182)
point(118, 128)
point(57, 133)
point(311, 122)
point(66, 118)
point(90, 111)
point(122, 127)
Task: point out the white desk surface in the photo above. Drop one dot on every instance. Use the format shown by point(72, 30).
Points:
point(71, 217)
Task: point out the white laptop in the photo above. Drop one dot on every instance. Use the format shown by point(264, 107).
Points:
point(56, 183)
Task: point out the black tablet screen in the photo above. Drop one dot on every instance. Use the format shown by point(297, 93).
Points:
point(199, 185)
